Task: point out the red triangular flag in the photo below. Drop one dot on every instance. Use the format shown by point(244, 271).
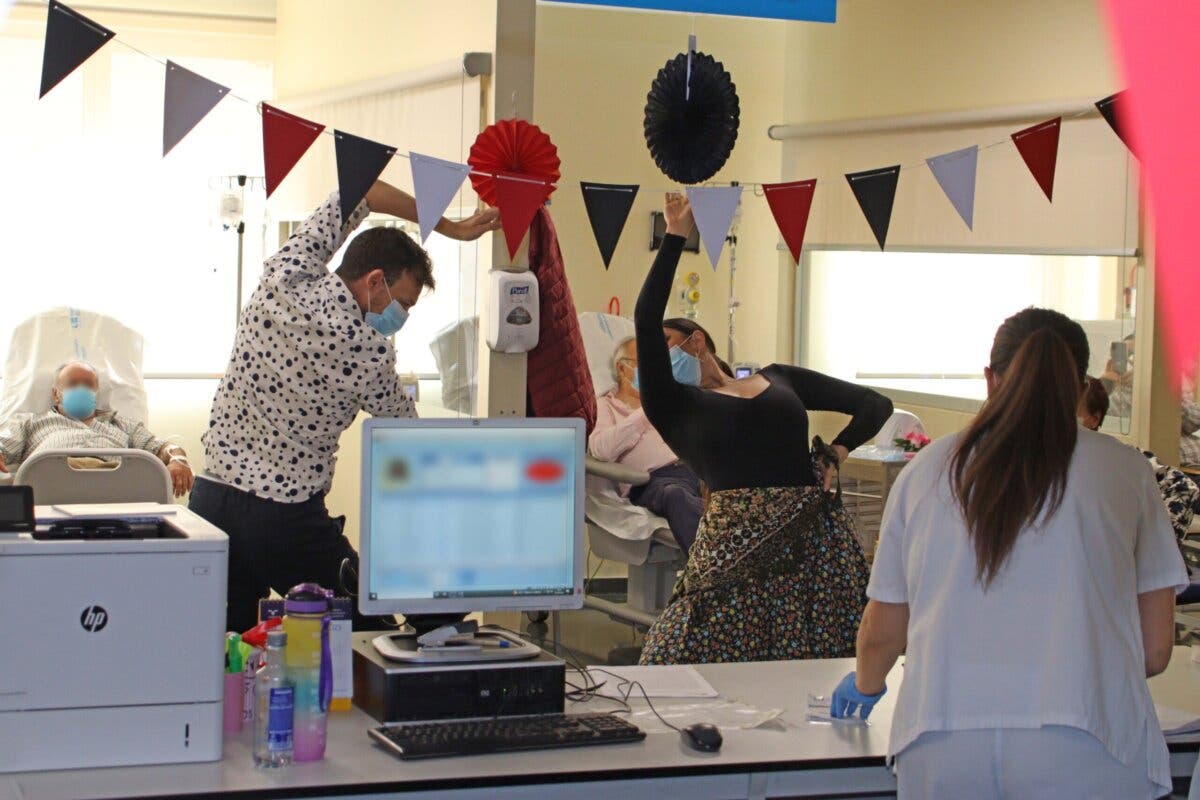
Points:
point(1039, 147)
point(518, 197)
point(286, 138)
point(790, 204)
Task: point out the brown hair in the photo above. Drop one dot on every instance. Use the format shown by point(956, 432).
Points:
point(687, 327)
point(391, 250)
point(1011, 463)
point(1095, 400)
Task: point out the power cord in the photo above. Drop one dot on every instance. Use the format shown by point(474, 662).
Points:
point(628, 686)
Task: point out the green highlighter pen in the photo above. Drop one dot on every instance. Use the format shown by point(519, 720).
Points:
point(234, 650)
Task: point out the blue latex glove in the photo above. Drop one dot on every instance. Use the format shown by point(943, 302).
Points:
point(847, 699)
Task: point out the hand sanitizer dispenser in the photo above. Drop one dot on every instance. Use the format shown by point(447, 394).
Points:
point(512, 318)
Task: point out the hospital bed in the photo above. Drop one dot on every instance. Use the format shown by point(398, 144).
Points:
point(39, 345)
point(617, 530)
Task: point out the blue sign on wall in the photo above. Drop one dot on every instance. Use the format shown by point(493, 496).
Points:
point(809, 10)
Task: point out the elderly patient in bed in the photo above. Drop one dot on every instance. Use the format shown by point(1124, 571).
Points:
point(624, 435)
point(73, 422)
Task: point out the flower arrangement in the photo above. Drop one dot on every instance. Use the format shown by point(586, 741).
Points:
point(912, 443)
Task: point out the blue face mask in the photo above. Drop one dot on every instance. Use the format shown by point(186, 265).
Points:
point(685, 367)
point(392, 318)
point(78, 402)
point(637, 385)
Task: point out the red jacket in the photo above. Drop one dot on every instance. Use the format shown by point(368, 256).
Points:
point(558, 379)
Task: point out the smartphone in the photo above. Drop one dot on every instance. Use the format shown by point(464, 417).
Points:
point(1118, 354)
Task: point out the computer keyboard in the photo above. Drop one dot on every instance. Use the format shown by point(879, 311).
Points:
point(504, 734)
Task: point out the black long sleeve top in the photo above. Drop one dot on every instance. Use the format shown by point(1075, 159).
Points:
point(734, 442)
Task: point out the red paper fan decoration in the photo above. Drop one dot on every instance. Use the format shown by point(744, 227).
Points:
point(512, 145)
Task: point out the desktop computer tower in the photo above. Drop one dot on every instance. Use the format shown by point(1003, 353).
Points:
point(391, 691)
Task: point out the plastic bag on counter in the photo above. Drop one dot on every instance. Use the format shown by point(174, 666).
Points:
point(725, 714)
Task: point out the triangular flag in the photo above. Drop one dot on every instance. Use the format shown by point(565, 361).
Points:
point(434, 183)
point(608, 207)
point(714, 207)
point(790, 204)
point(1156, 45)
point(286, 138)
point(1112, 108)
point(187, 98)
point(955, 173)
point(518, 198)
point(875, 190)
point(1038, 145)
point(71, 39)
point(359, 162)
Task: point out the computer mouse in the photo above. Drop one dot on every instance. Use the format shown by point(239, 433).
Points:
point(703, 736)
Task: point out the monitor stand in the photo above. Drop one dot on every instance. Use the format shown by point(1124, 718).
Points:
point(489, 644)
point(424, 623)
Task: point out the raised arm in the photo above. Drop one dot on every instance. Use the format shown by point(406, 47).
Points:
point(867, 408)
point(312, 245)
point(387, 199)
point(660, 392)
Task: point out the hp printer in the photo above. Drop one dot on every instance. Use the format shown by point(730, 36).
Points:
point(111, 638)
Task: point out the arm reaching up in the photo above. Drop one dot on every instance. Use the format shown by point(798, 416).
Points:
point(660, 392)
point(387, 199)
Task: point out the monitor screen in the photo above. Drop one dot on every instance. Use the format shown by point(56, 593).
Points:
point(471, 515)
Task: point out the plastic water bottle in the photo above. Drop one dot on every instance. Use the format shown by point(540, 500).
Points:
point(276, 695)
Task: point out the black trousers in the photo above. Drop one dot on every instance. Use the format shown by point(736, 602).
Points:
point(276, 546)
point(673, 492)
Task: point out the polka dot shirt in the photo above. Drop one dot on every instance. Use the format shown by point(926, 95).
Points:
point(303, 365)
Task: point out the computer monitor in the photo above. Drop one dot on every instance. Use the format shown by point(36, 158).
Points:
point(463, 515)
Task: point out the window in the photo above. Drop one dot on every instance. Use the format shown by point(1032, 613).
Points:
point(98, 219)
point(923, 322)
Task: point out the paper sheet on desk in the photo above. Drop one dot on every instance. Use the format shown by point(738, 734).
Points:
point(1175, 722)
point(114, 509)
point(663, 681)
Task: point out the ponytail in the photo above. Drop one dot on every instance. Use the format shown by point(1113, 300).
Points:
point(1011, 463)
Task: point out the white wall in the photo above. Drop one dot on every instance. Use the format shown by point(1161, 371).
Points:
point(322, 45)
point(593, 71)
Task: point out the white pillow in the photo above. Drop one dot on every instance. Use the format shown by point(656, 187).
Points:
point(601, 332)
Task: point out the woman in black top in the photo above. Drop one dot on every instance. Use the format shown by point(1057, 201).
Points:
point(776, 571)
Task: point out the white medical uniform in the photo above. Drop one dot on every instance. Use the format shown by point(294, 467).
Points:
point(1054, 641)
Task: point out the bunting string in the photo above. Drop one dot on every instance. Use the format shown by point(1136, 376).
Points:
point(72, 38)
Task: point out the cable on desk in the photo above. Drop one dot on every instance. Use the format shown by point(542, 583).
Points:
point(628, 686)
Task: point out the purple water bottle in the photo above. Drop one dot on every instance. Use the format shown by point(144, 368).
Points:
point(306, 617)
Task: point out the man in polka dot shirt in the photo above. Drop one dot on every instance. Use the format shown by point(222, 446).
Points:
point(312, 349)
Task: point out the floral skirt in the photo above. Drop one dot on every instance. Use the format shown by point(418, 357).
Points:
point(775, 573)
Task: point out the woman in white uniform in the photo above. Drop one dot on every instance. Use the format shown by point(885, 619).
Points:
point(1027, 571)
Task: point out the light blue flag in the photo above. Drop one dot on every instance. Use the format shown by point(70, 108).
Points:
point(714, 207)
point(955, 173)
point(435, 181)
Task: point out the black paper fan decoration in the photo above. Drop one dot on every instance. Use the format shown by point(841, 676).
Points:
point(691, 133)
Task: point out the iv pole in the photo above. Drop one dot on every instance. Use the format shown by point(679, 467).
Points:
point(239, 228)
point(731, 239)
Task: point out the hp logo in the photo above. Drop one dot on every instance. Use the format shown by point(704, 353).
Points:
point(93, 619)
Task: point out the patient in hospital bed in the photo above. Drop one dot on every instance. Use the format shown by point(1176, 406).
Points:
point(72, 422)
point(624, 435)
